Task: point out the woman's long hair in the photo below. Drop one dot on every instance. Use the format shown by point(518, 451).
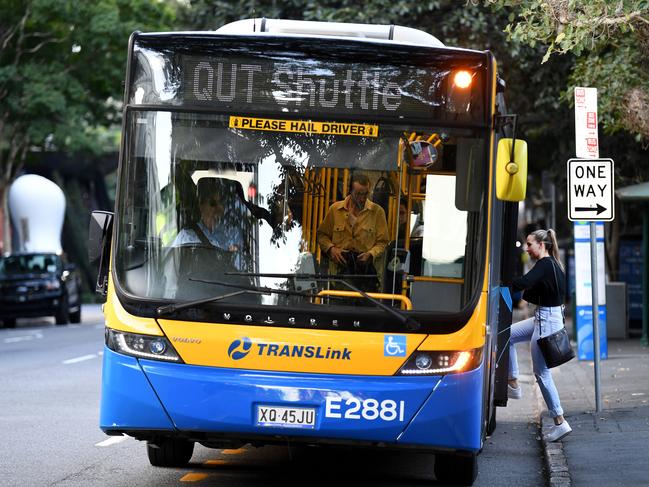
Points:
point(549, 238)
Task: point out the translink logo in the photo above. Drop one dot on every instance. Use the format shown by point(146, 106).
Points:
point(240, 348)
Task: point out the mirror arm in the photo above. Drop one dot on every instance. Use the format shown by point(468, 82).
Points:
point(513, 122)
point(503, 121)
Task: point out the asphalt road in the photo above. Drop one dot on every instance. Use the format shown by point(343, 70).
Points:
point(49, 435)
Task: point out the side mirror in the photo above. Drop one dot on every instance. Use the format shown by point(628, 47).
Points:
point(100, 233)
point(511, 170)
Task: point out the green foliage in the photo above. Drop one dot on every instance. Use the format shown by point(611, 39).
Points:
point(61, 64)
point(609, 42)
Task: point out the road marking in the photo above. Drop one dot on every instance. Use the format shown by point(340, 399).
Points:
point(23, 338)
point(215, 462)
point(193, 477)
point(112, 441)
point(79, 359)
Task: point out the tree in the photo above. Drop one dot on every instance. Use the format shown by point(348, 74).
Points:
point(610, 42)
point(62, 64)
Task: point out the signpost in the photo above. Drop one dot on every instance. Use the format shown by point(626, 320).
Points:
point(590, 198)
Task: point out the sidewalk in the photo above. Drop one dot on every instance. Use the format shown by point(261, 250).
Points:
point(608, 448)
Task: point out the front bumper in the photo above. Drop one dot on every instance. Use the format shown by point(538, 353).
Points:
point(150, 399)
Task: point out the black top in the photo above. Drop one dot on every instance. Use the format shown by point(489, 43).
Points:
point(540, 284)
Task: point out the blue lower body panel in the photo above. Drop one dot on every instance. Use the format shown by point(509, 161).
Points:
point(127, 399)
point(432, 412)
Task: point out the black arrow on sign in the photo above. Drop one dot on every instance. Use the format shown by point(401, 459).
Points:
point(599, 208)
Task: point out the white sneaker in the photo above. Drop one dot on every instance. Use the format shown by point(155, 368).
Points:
point(514, 392)
point(558, 432)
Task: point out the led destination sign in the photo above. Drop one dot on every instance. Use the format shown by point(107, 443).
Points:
point(287, 85)
point(330, 78)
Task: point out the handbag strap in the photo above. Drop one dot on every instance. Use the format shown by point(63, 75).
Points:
point(554, 271)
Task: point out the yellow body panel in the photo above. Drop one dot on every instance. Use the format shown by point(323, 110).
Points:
point(359, 352)
point(119, 319)
point(472, 335)
point(332, 352)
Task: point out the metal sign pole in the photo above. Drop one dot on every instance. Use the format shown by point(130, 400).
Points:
point(595, 305)
point(587, 146)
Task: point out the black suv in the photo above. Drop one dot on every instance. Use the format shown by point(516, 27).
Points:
point(39, 284)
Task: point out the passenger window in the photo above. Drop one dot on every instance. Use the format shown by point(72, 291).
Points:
point(443, 251)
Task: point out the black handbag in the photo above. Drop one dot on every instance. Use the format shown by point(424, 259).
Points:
point(556, 348)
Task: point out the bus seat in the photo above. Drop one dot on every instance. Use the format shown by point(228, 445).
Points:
point(416, 247)
point(383, 189)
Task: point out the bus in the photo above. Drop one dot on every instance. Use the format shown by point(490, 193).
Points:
point(247, 335)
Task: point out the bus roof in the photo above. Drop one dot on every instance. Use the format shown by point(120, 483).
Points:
point(371, 32)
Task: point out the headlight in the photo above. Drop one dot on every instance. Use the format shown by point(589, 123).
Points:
point(141, 346)
point(441, 363)
point(52, 285)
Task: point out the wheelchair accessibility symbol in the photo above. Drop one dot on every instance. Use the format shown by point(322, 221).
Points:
point(394, 346)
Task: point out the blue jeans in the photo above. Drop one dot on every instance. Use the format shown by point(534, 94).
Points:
point(546, 320)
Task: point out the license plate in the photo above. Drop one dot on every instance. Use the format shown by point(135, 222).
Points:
point(285, 417)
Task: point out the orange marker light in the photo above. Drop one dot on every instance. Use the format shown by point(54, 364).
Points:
point(462, 79)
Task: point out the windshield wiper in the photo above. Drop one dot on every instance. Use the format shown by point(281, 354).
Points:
point(409, 322)
point(315, 277)
point(170, 308)
point(259, 289)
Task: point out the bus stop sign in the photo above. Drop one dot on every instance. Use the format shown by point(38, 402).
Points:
point(590, 190)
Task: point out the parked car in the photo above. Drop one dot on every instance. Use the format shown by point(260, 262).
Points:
point(39, 284)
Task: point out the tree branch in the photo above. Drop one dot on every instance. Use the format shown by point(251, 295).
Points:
point(37, 47)
point(610, 21)
point(11, 32)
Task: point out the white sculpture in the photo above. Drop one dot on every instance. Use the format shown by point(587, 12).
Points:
point(37, 209)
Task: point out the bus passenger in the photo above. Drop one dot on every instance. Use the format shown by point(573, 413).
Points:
point(545, 286)
point(209, 229)
point(354, 234)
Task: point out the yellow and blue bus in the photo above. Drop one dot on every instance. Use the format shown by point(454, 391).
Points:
point(242, 333)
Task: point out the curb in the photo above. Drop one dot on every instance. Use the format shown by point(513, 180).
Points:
point(555, 458)
point(553, 453)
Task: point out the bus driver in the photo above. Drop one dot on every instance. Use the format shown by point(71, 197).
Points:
point(209, 229)
point(354, 234)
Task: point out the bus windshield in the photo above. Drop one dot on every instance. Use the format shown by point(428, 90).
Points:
point(208, 207)
point(233, 157)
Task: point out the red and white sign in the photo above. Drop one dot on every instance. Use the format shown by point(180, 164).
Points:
point(586, 139)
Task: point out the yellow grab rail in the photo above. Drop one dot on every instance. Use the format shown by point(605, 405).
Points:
point(405, 301)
